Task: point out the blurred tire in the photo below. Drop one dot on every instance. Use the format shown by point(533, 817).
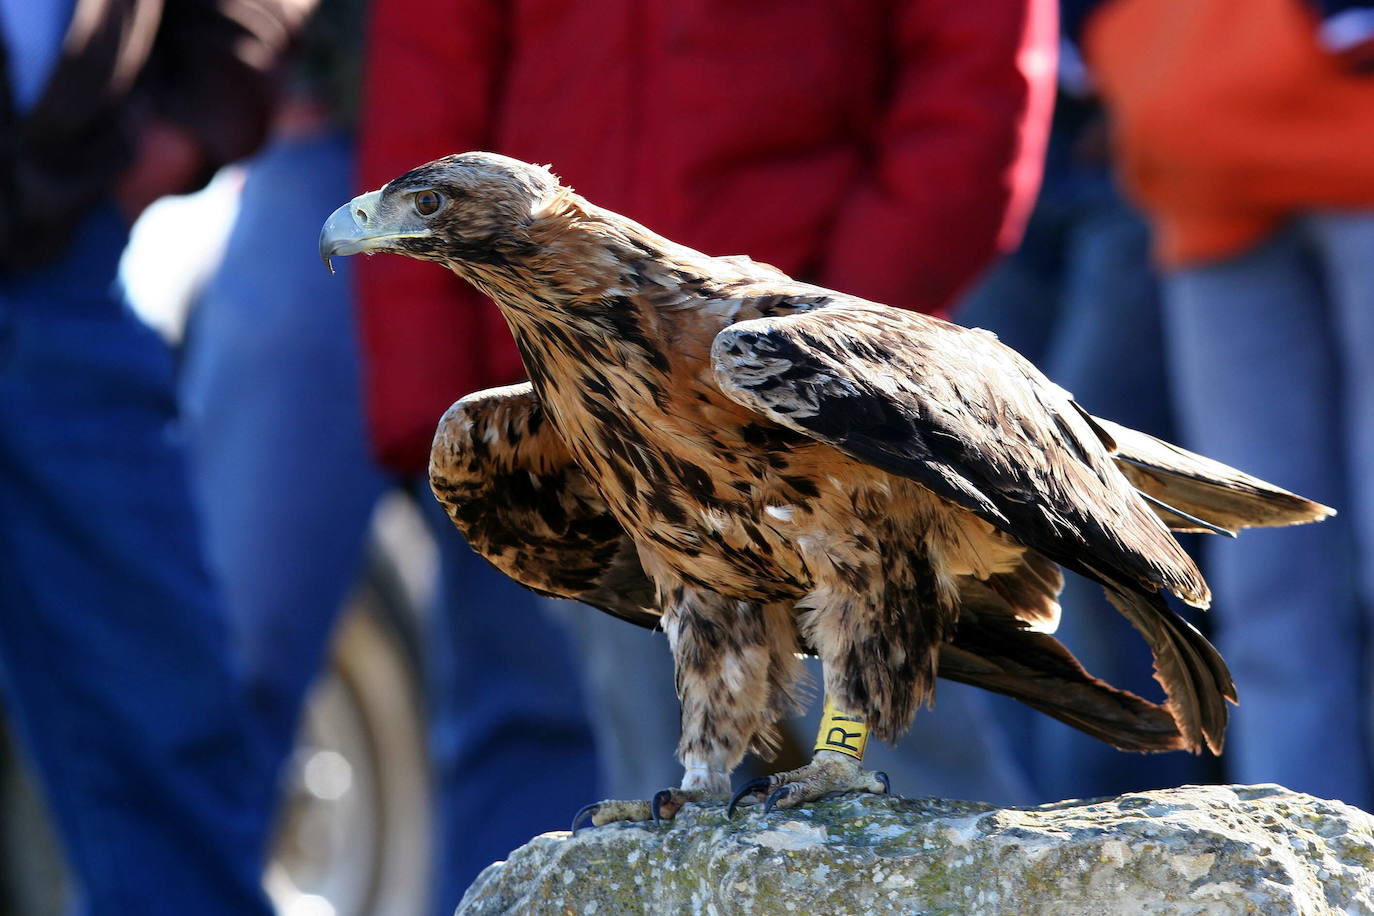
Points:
point(354, 830)
point(354, 835)
point(33, 872)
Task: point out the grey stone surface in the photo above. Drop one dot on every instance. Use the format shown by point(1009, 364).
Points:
point(1194, 850)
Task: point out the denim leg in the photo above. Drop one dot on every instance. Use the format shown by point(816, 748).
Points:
point(1108, 346)
point(272, 392)
point(513, 751)
point(113, 648)
point(1018, 298)
point(1346, 242)
point(1258, 388)
point(957, 749)
point(1108, 350)
point(636, 730)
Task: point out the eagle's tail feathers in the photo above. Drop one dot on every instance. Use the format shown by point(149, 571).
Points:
point(993, 650)
point(1178, 520)
point(1192, 493)
point(1196, 681)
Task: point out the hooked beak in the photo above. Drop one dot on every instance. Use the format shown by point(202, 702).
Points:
point(361, 226)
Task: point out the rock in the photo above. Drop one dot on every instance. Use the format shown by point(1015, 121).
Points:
point(1195, 850)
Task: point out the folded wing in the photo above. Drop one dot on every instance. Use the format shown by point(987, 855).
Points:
point(505, 478)
point(963, 415)
point(995, 649)
point(973, 422)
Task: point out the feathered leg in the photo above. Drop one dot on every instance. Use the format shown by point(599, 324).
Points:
point(877, 621)
point(723, 658)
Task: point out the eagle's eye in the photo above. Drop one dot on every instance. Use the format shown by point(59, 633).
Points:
point(427, 203)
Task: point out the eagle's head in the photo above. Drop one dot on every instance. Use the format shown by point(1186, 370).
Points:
point(473, 208)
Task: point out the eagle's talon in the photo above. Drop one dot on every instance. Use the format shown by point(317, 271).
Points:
point(605, 812)
point(777, 795)
point(828, 772)
point(586, 811)
point(752, 787)
point(656, 806)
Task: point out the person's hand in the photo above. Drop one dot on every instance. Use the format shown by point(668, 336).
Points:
point(169, 160)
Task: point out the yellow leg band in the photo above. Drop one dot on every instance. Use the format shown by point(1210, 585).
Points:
point(841, 733)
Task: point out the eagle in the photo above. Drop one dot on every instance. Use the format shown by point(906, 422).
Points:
point(763, 468)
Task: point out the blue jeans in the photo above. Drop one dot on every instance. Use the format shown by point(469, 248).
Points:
point(273, 392)
point(1274, 353)
point(1080, 300)
point(114, 656)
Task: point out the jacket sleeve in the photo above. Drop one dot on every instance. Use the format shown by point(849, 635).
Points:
point(433, 71)
point(957, 153)
point(214, 69)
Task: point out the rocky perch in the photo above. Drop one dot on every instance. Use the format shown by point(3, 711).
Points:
point(1195, 850)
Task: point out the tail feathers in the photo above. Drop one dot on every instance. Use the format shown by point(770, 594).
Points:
point(1030, 591)
point(1178, 520)
point(995, 651)
point(1196, 681)
point(1193, 493)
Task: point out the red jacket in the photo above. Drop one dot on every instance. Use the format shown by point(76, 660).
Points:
point(887, 149)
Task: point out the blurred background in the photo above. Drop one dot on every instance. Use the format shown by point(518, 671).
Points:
point(247, 666)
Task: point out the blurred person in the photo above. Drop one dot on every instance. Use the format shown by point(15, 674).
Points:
point(1079, 298)
point(273, 399)
point(114, 658)
point(888, 150)
point(1246, 138)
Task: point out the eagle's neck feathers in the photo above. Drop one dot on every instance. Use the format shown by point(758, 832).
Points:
point(613, 323)
point(593, 284)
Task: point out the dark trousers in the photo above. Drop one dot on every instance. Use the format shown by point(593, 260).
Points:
point(114, 660)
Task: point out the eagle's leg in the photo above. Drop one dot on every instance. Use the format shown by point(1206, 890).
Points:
point(835, 767)
point(876, 618)
point(723, 663)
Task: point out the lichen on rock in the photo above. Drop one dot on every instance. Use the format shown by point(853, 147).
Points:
point(1195, 850)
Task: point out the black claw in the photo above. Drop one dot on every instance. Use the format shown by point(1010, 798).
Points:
point(750, 787)
point(587, 811)
point(777, 795)
point(882, 778)
point(659, 798)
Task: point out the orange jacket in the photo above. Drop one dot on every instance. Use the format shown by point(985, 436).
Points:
point(1230, 118)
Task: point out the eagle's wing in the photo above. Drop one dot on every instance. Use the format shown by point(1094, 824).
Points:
point(973, 422)
point(505, 478)
point(961, 414)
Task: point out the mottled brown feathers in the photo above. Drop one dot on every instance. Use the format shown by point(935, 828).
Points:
point(507, 482)
point(765, 465)
point(965, 417)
